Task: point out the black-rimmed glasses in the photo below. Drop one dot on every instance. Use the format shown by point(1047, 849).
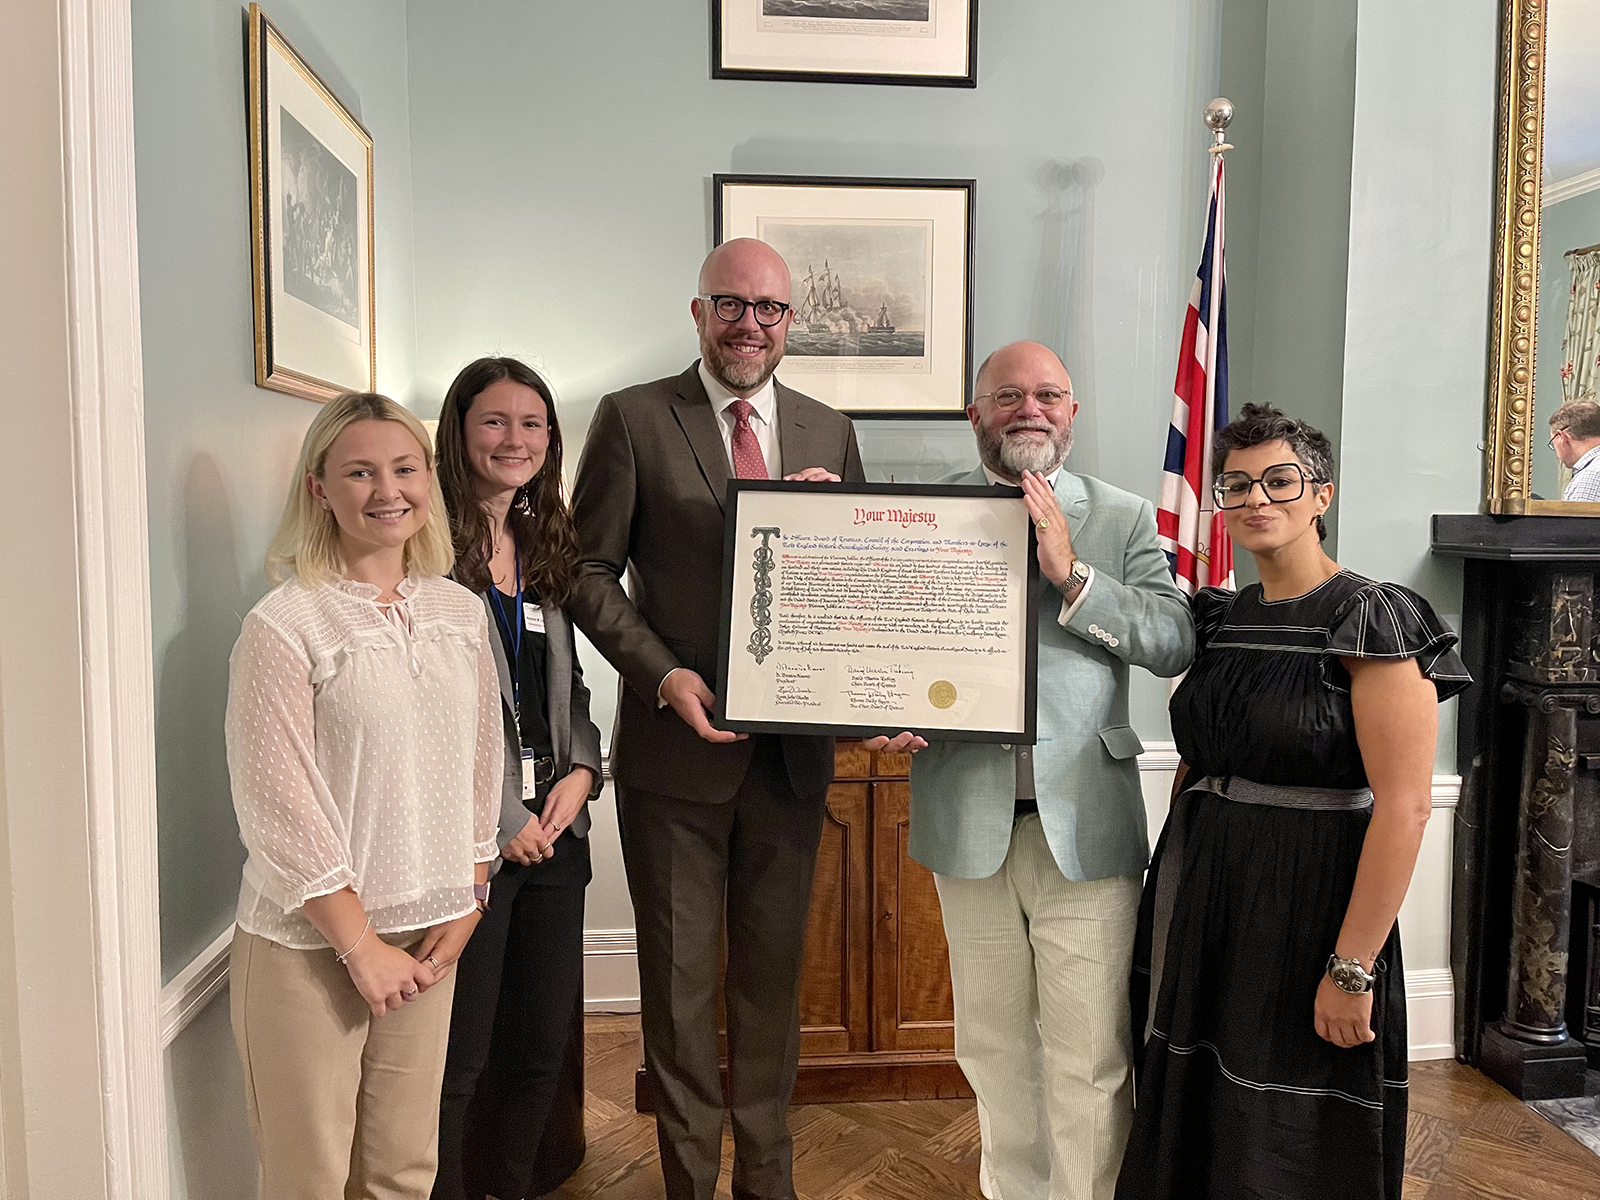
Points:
point(731, 309)
point(1280, 484)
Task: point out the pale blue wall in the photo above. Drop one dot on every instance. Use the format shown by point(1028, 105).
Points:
point(219, 450)
point(563, 157)
point(1565, 226)
point(1416, 333)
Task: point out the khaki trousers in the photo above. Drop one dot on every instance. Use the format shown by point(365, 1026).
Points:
point(1040, 970)
point(343, 1105)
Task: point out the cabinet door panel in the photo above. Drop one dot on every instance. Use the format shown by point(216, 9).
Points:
point(912, 1005)
point(833, 981)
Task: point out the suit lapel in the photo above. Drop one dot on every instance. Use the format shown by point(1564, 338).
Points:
point(795, 449)
point(498, 643)
point(1074, 501)
point(558, 682)
point(692, 408)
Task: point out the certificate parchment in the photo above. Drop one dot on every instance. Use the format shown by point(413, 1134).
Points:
point(865, 608)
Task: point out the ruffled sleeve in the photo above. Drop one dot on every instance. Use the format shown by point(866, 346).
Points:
point(288, 819)
point(1210, 607)
point(1385, 620)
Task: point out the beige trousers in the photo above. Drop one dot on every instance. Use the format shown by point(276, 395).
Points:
point(1040, 968)
point(343, 1105)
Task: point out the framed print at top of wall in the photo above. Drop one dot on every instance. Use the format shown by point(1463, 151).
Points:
point(311, 248)
point(881, 293)
point(933, 43)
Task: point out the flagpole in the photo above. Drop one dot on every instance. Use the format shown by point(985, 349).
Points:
point(1191, 531)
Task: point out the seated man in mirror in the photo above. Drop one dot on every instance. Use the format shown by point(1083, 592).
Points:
point(1575, 437)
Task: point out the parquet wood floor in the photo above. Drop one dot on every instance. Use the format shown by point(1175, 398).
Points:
point(1468, 1140)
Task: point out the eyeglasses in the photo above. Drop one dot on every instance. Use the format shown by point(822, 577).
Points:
point(1554, 436)
point(731, 309)
point(1008, 398)
point(1280, 484)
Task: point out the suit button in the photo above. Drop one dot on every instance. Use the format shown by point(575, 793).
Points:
point(1094, 629)
point(1115, 642)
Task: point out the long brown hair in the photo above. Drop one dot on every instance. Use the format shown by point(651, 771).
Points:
point(539, 519)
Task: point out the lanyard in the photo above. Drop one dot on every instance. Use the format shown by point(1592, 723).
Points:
point(513, 630)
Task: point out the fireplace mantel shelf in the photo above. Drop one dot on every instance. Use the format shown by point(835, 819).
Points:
point(1517, 539)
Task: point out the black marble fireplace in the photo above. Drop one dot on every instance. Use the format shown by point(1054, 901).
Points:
point(1525, 920)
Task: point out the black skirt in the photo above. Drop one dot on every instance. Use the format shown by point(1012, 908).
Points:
point(1238, 1097)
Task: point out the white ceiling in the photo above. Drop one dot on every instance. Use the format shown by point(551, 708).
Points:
point(1572, 89)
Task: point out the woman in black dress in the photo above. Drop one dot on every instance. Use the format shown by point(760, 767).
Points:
point(1274, 1060)
point(520, 978)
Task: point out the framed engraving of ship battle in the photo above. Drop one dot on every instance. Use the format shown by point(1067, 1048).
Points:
point(881, 302)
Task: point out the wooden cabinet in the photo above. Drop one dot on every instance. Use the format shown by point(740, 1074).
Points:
point(877, 1019)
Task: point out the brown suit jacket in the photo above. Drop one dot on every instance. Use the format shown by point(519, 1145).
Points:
point(648, 500)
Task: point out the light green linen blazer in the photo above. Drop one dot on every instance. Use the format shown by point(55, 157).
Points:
point(1086, 774)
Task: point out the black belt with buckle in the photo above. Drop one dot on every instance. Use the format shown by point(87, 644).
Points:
point(544, 769)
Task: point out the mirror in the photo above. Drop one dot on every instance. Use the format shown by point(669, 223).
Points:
point(1545, 357)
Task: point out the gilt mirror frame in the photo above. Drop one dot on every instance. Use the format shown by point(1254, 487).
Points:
point(1513, 339)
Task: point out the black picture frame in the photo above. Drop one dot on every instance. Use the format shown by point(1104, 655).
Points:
point(721, 70)
point(730, 547)
point(951, 385)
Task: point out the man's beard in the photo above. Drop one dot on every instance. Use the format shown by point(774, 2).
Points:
point(735, 373)
point(1012, 456)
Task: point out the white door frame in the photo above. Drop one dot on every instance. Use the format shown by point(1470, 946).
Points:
point(114, 585)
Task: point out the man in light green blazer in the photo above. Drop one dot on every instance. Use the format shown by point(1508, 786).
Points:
point(1038, 851)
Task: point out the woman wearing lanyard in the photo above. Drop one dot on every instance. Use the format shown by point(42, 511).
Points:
point(500, 469)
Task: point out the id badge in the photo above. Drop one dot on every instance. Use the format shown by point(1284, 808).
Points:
point(532, 618)
point(530, 790)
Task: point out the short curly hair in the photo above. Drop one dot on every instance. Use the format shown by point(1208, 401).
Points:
point(1258, 424)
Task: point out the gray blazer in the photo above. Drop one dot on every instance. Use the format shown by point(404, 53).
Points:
point(573, 736)
point(1085, 770)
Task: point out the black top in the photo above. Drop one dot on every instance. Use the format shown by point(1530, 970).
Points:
point(530, 666)
point(1267, 698)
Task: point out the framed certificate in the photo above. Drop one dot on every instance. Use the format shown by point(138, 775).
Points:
point(865, 608)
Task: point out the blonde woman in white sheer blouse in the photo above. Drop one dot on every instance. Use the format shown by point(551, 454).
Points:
point(364, 749)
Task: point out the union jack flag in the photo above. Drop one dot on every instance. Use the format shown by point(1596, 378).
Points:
point(1191, 531)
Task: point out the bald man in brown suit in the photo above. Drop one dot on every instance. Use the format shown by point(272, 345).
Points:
point(714, 825)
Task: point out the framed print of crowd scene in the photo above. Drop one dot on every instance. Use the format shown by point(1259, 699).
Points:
point(311, 227)
point(882, 284)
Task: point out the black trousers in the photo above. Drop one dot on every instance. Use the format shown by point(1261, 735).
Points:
point(517, 983)
point(690, 867)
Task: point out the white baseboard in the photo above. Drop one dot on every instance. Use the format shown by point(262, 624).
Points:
point(610, 971)
point(1430, 1014)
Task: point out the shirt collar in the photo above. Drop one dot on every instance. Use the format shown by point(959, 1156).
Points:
point(765, 402)
point(995, 479)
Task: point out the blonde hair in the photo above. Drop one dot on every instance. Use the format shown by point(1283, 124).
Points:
point(307, 542)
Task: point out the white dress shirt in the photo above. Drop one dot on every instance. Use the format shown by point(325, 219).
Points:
point(1067, 608)
point(764, 421)
point(1585, 482)
point(365, 751)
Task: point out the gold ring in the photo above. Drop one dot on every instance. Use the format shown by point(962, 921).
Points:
point(1042, 523)
point(435, 962)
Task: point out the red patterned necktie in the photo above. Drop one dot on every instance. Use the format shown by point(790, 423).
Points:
point(747, 460)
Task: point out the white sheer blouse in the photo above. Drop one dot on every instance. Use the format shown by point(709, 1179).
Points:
point(364, 749)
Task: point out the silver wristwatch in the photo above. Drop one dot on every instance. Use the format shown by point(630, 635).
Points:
point(1077, 577)
point(1348, 975)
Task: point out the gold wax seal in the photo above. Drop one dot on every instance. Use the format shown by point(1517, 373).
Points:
point(942, 693)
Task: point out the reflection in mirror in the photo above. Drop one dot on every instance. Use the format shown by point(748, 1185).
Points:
point(1567, 366)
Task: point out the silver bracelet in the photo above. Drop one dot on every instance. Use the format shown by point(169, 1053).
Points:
point(339, 958)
